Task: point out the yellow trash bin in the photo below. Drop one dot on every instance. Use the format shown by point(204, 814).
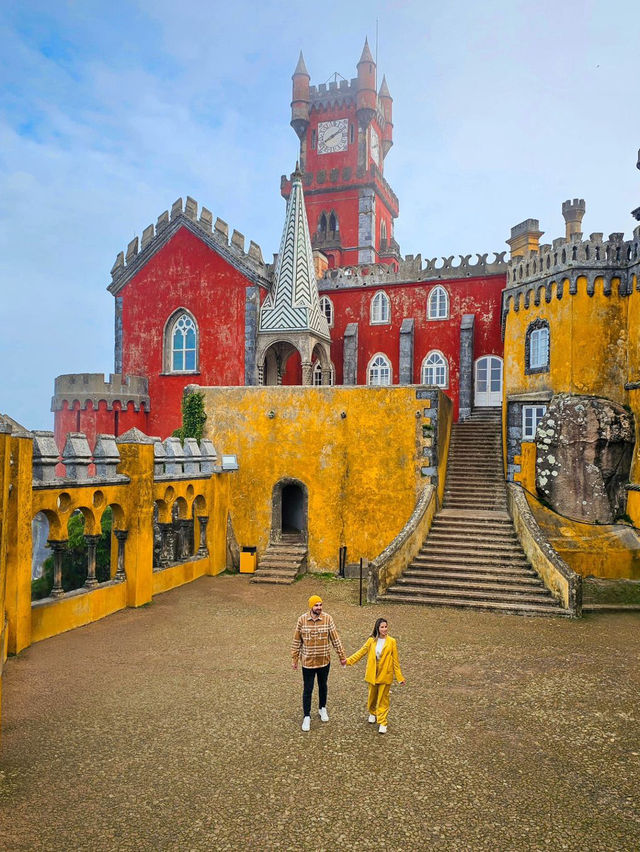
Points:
point(248, 560)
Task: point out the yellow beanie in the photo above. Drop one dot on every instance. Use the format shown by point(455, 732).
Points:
point(313, 600)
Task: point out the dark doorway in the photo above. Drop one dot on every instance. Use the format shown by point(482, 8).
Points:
point(292, 509)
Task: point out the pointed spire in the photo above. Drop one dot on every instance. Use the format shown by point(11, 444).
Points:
point(301, 68)
point(293, 304)
point(384, 89)
point(366, 53)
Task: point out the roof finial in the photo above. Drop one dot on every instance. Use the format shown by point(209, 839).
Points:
point(366, 53)
point(297, 174)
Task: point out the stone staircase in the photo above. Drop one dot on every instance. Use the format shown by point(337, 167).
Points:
point(472, 557)
point(282, 561)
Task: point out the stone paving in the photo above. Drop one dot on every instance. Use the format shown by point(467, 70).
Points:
point(177, 726)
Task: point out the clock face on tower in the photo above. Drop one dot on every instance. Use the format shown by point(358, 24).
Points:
point(332, 136)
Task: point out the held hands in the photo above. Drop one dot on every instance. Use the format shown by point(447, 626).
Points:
point(343, 663)
point(294, 665)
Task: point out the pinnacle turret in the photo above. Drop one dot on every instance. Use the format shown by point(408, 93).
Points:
point(301, 68)
point(366, 53)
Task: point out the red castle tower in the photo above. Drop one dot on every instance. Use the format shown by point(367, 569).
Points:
point(346, 131)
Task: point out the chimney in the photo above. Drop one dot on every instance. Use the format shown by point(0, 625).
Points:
point(525, 237)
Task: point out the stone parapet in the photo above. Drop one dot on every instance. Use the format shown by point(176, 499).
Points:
point(413, 269)
point(94, 388)
point(358, 177)
point(249, 260)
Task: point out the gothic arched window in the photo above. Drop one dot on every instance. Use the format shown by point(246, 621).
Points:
point(317, 374)
point(379, 370)
point(435, 370)
point(181, 343)
point(322, 226)
point(326, 306)
point(380, 309)
point(438, 303)
point(333, 224)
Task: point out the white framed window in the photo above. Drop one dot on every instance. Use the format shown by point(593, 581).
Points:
point(317, 374)
point(539, 348)
point(531, 416)
point(326, 306)
point(438, 303)
point(435, 370)
point(379, 370)
point(380, 309)
point(181, 343)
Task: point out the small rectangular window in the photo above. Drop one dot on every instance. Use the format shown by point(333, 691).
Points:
point(314, 135)
point(531, 416)
point(351, 133)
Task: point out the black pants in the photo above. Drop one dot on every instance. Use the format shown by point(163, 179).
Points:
point(308, 676)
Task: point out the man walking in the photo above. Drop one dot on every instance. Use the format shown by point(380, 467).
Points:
point(310, 646)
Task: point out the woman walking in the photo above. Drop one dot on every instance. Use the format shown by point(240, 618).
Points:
point(382, 665)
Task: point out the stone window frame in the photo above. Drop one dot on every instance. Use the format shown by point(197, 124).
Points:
point(442, 363)
point(384, 363)
point(325, 302)
point(536, 325)
point(317, 375)
point(438, 295)
point(531, 408)
point(169, 329)
point(380, 309)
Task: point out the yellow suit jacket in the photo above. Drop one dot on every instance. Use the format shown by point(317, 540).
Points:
point(382, 670)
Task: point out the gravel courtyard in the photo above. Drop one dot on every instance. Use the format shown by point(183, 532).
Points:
point(177, 726)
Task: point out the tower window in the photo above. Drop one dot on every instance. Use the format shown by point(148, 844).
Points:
point(379, 372)
point(438, 304)
point(314, 136)
point(333, 223)
point(351, 133)
point(383, 230)
point(322, 226)
point(380, 309)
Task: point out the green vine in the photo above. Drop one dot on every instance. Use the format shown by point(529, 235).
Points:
point(193, 417)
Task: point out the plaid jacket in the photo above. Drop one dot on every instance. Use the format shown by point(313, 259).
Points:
point(311, 639)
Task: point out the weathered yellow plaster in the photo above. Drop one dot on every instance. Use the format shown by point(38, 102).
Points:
point(362, 470)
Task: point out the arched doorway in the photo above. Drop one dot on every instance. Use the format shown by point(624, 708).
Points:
point(289, 510)
point(488, 381)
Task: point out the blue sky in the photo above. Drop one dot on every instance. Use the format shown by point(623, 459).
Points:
point(111, 111)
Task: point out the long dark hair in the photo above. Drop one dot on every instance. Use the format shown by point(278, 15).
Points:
point(376, 627)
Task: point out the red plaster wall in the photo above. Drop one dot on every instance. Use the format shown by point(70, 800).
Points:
point(478, 296)
point(73, 418)
point(185, 273)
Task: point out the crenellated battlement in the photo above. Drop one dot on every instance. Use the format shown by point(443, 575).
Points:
point(358, 176)
point(172, 460)
point(412, 269)
point(216, 234)
point(93, 387)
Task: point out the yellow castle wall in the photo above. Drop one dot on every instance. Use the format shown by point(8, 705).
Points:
point(362, 470)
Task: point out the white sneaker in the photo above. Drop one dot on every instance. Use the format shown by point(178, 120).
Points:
point(382, 729)
point(306, 723)
point(324, 716)
point(372, 718)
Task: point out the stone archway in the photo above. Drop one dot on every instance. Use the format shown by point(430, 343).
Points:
point(289, 510)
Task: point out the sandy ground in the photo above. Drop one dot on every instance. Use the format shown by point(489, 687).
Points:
point(177, 726)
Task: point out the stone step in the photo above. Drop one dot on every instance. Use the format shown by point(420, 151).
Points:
point(514, 577)
point(469, 563)
point(276, 581)
point(277, 558)
point(507, 542)
point(515, 608)
point(481, 594)
point(462, 549)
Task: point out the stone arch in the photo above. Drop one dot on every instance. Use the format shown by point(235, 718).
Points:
point(289, 510)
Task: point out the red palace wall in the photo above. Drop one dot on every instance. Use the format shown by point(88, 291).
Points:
point(74, 418)
point(478, 296)
point(185, 273)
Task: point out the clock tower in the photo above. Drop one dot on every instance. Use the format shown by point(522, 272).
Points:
point(345, 129)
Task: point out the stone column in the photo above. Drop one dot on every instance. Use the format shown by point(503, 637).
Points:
point(184, 537)
point(350, 354)
point(406, 352)
point(203, 550)
point(307, 373)
point(121, 535)
point(261, 374)
point(326, 377)
point(92, 544)
point(166, 548)
point(58, 548)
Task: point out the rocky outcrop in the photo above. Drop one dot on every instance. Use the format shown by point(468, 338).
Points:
point(584, 450)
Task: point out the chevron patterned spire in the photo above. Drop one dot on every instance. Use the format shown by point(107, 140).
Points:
point(293, 303)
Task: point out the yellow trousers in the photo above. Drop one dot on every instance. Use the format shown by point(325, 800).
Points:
point(378, 702)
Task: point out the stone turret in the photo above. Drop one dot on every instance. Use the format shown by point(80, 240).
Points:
point(367, 96)
point(573, 212)
point(301, 98)
point(386, 106)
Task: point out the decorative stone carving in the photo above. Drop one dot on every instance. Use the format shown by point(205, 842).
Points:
point(584, 451)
